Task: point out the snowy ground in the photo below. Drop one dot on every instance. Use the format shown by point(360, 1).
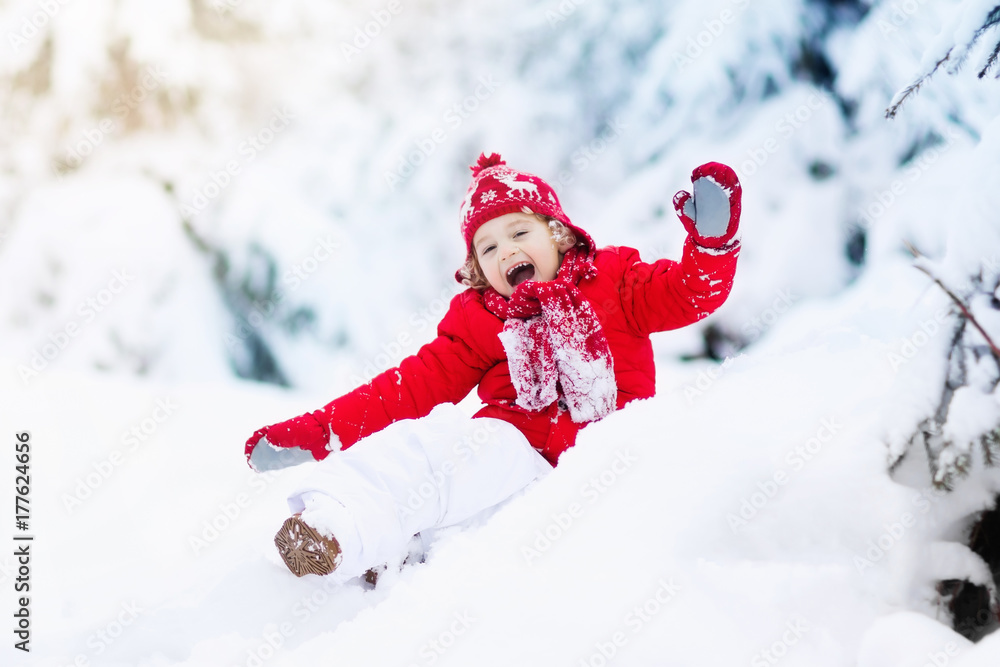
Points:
point(696, 528)
point(743, 516)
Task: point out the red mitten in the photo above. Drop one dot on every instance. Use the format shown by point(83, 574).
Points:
point(712, 215)
point(287, 443)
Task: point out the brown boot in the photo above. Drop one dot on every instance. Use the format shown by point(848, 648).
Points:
point(304, 549)
point(372, 574)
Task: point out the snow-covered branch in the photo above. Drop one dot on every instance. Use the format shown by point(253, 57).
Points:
point(973, 20)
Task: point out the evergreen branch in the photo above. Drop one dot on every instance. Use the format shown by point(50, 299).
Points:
point(991, 61)
point(992, 19)
point(914, 87)
point(961, 304)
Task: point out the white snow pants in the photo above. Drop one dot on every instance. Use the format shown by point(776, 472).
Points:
point(413, 476)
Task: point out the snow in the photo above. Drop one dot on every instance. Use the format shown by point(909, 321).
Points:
point(983, 654)
point(278, 207)
point(971, 414)
point(904, 639)
point(752, 517)
point(960, 30)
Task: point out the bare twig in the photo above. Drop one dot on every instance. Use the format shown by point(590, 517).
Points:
point(961, 304)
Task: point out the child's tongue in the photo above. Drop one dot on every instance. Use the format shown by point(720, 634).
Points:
point(521, 274)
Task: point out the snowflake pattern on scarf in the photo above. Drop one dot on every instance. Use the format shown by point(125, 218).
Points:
point(555, 343)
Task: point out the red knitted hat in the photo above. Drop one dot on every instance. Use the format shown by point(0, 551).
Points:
point(496, 190)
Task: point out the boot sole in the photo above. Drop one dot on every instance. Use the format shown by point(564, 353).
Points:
point(304, 550)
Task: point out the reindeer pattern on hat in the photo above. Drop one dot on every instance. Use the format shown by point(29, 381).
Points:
point(517, 189)
point(509, 178)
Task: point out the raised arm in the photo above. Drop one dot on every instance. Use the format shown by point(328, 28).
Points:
point(667, 294)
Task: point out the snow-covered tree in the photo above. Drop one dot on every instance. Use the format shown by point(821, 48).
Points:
point(961, 434)
point(969, 23)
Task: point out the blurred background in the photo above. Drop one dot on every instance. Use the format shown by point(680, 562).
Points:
point(213, 190)
point(247, 208)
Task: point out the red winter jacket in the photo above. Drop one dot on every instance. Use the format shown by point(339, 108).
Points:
point(632, 299)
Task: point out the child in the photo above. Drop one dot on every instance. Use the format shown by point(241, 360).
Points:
point(554, 332)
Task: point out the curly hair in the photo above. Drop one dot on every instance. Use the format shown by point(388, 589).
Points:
point(472, 274)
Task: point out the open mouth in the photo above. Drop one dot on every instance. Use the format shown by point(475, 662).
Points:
point(519, 273)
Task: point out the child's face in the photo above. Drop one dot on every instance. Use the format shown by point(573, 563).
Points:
point(515, 248)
